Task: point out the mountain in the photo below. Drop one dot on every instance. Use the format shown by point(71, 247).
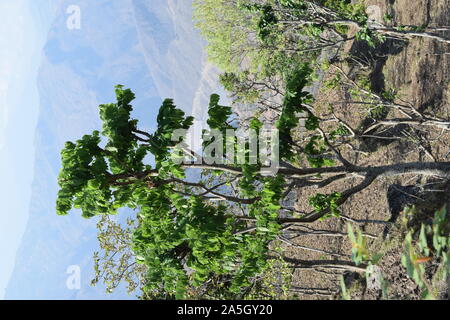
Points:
point(150, 46)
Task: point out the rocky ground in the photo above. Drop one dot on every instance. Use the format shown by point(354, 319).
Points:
point(418, 71)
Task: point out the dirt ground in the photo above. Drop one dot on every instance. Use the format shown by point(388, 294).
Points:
point(418, 70)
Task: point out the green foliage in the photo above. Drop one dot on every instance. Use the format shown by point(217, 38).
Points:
point(341, 131)
point(333, 82)
point(266, 22)
point(440, 230)
point(90, 174)
point(415, 257)
point(189, 231)
point(217, 21)
point(116, 262)
point(387, 17)
point(361, 255)
point(329, 202)
point(181, 239)
point(413, 263)
point(82, 178)
point(389, 95)
point(420, 28)
point(344, 292)
point(293, 104)
point(315, 150)
point(241, 86)
point(360, 252)
point(218, 115)
point(262, 46)
point(366, 34)
point(246, 37)
point(169, 119)
point(347, 10)
point(118, 127)
point(275, 282)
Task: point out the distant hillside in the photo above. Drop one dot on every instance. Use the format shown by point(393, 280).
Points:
point(147, 45)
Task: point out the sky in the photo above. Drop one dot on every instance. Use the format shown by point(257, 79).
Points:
point(22, 36)
point(52, 79)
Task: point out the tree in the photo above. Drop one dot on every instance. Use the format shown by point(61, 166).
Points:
point(116, 261)
point(182, 236)
point(257, 41)
point(228, 30)
point(220, 226)
point(325, 23)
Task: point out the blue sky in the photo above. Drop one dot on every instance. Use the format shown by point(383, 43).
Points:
point(52, 80)
point(22, 36)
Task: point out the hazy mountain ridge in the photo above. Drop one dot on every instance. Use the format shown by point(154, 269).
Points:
point(78, 72)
